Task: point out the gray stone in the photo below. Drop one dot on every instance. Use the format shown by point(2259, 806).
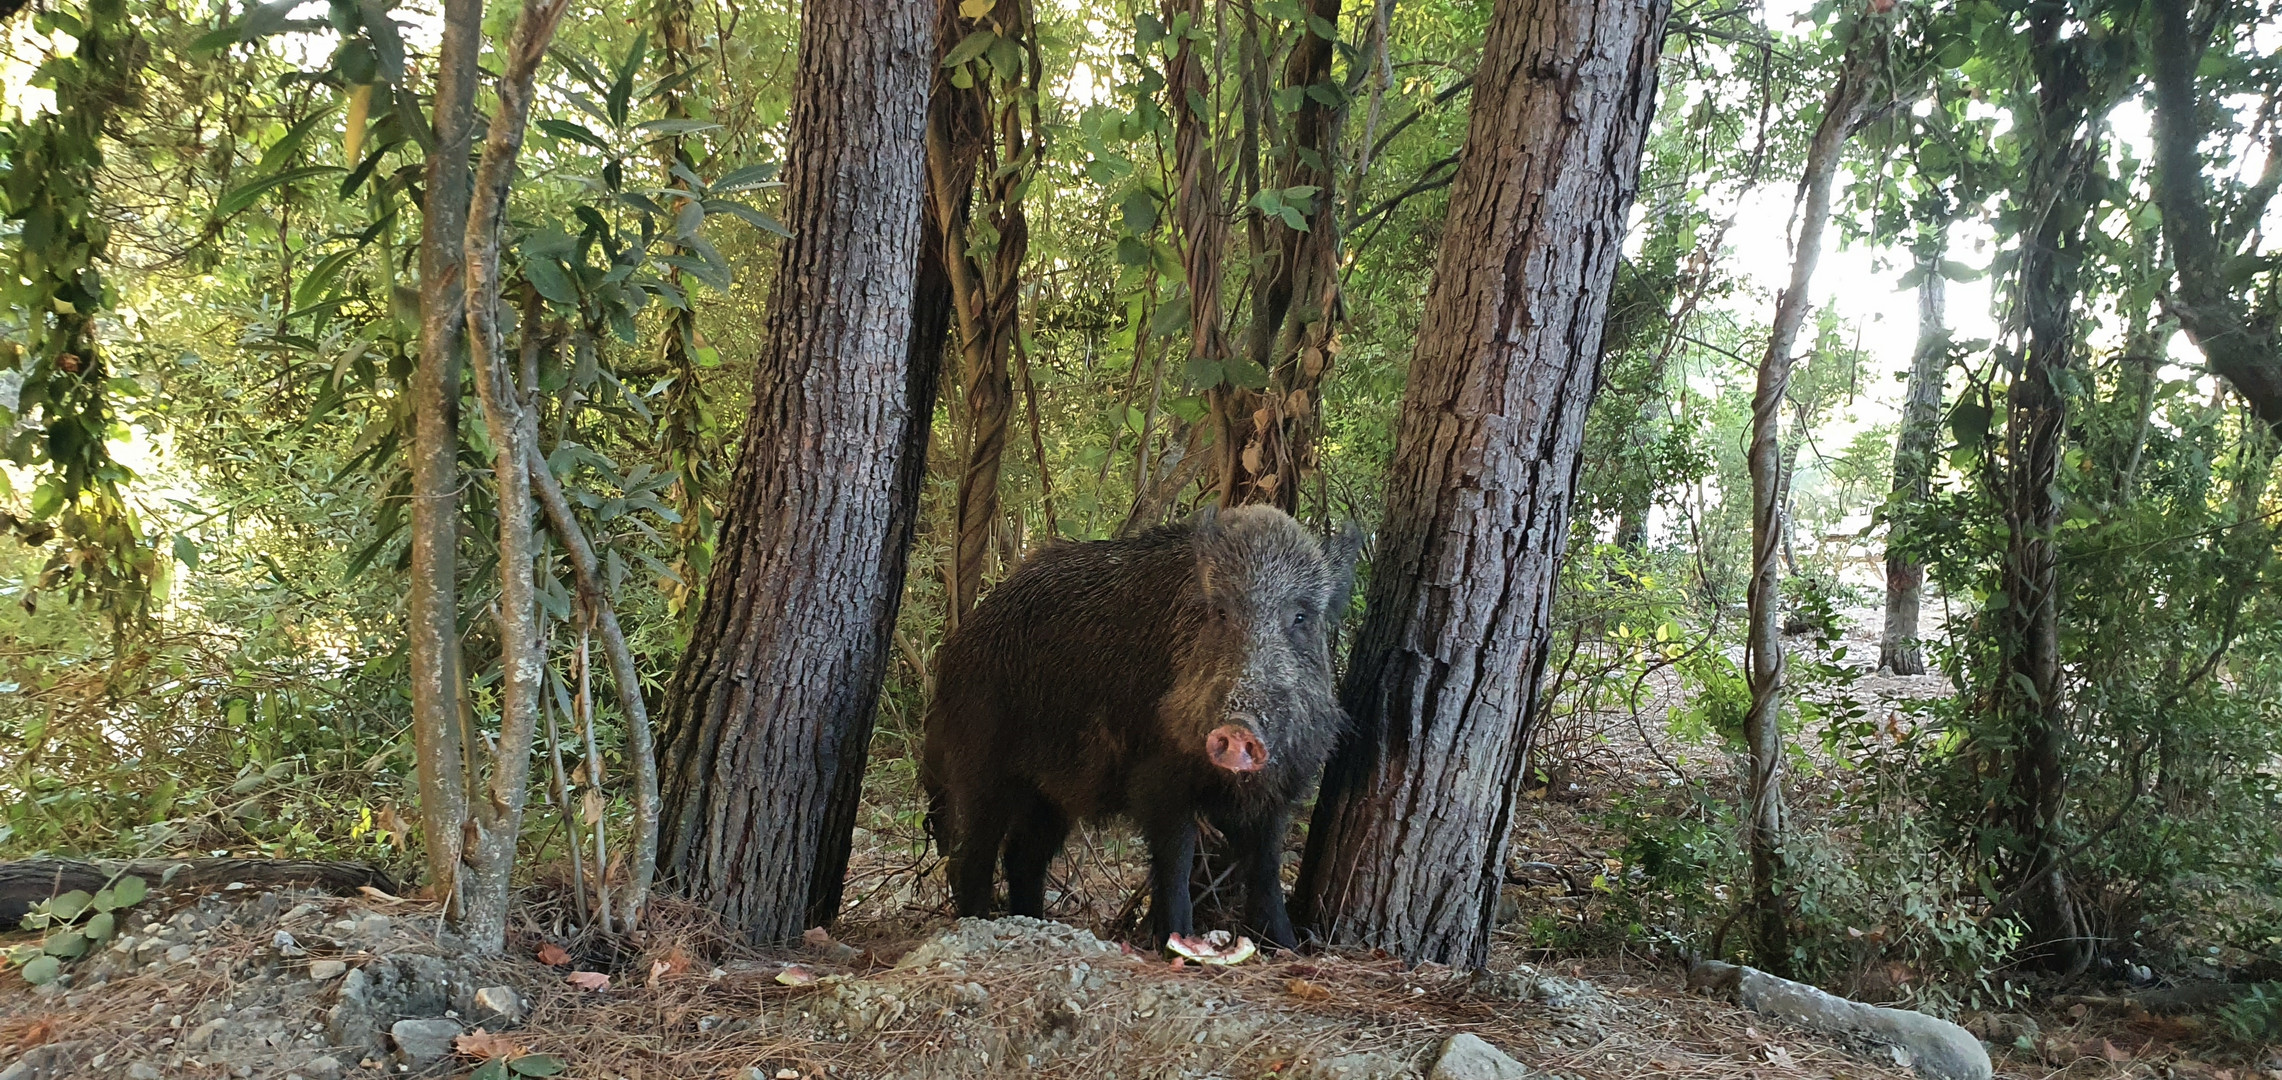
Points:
point(1361, 1066)
point(322, 1068)
point(500, 1005)
point(373, 927)
point(1936, 1048)
point(1467, 1057)
point(419, 1042)
point(142, 1070)
point(327, 970)
point(204, 1033)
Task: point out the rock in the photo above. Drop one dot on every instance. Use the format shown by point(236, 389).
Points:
point(1467, 1057)
point(179, 953)
point(1015, 936)
point(1362, 1066)
point(372, 927)
point(322, 1068)
point(142, 1070)
point(2004, 1029)
point(327, 970)
point(500, 1005)
point(1936, 1048)
point(204, 1033)
point(419, 1042)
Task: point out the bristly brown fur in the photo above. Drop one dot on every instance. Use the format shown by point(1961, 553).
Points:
point(1085, 686)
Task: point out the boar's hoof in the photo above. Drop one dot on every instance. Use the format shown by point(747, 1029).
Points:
point(1236, 749)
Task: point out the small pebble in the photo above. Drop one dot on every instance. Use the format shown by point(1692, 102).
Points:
point(324, 970)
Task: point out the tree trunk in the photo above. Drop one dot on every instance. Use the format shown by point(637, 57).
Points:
point(1770, 464)
point(768, 718)
point(432, 603)
point(495, 822)
point(2031, 722)
point(987, 125)
point(1273, 433)
point(2240, 348)
point(1898, 649)
point(1407, 846)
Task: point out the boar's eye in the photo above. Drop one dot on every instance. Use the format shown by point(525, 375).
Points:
point(1299, 618)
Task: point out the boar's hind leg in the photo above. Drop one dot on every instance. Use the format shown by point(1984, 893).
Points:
point(1172, 851)
point(980, 818)
point(1039, 830)
point(1260, 846)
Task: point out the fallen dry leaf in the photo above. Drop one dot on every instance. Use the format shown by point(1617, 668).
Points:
point(376, 894)
point(2112, 1052)
point(1306, 991)
point(487, 1045)
point(795, 975)
point(673, 963)
point(553, 955)
point(588, 980)
point(42, 1030)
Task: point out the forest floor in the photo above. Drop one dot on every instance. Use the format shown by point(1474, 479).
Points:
point(247, 983)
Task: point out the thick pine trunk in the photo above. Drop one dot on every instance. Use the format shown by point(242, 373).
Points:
point(1898, 649)
point(1771, 463)
point(770, 713)
point(1407, 846)
point(432, 602)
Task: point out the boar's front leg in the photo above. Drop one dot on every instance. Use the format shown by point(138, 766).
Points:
point(1172, 851)
point(1260, 846)
point(1039, 830)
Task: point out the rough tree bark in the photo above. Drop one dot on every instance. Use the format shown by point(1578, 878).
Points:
point(432, 604)
point(1271, 434)
point(987, 128)
point(2240, 348)
point(1200, 225)
point(1898, 649)
point(2027, 744)
point(495, 822)
point(1770, 476)
point(1407, 845)
point(768, 717)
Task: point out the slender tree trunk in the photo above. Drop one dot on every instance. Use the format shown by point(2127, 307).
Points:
point(1203, 232)
point(1407, 846)
point(768, 718)
point(1273, 433)
point(1898, 649)
point(1770, 495)
point(991, 127)
point(495, 823)
point(432, 604)
point(2029, 697)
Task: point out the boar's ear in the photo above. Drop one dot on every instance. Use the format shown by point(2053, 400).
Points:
point(1205, 523)
point(1341, 552)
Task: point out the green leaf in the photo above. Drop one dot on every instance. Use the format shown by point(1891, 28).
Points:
point(975, 9)
point(578, 133)
point(546, 275)
point(320, 277)
point(1140, 210)
point(1206, 373)
point(1957, 271)
point(676, 127)
point(68, 906)
point(622, 85)
point(100, 926)
point(495, 1069)
point(129, 891)
point(970, 47)
point(289, 143)
point(185, 551)
point(42, 970)
point(1247, 374)
point(536, 1065)
point(749, 178)
point(220, 38)
point(69, 945)
point(749, 216)
point(246, 196)
point(1170, 319)
point(387, 40)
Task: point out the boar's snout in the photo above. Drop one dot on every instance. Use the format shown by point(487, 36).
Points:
point(1233, 747)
